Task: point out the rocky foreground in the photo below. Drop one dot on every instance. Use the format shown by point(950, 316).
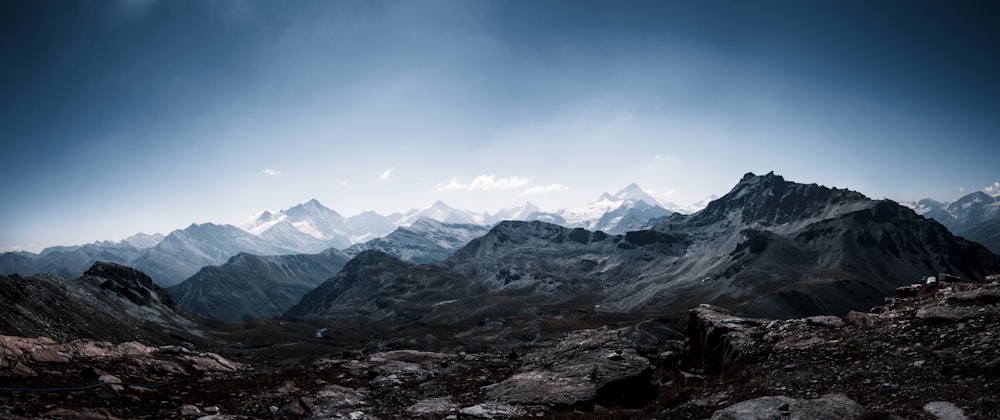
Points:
point(932, 354)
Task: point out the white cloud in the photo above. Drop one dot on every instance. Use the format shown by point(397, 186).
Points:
point(542, 189)
point(385, 175)
point(343, 183)
point(961, 189)
point(662, 157)
point(484, 183)
point(272, 172)
point(993, 190)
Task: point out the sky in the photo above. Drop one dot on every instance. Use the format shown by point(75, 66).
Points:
point(118, 117)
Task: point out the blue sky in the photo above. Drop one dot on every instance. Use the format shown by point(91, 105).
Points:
point(119, 117)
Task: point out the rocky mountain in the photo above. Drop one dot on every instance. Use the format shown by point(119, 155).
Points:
point(767, 248)
point(68, 261)
point(109, 302)
point(986, 233)
point(172, 259)
point(183, 252)
point(975, 216)
point(306, 228)
point(378, 286)
point(252, 286)
point(144, 241)
point(425, 241)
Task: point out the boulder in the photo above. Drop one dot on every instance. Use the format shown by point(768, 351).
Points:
point(580, 369)
point(719, 340)
point(828, 407)
point(943, 410)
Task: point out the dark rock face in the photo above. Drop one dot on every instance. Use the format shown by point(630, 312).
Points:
point(129, 283)
point(111, 302)
point(720, 341)
point(251, 286)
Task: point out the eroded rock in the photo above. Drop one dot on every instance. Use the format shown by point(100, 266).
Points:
point(828, 407)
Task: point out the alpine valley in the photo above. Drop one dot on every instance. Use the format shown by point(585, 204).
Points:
point(778, 299)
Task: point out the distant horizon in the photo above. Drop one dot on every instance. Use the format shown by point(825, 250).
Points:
point(992, 190)
point(128, 116)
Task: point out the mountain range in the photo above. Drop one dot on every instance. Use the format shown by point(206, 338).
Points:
point(975, 216)
point(769, 247)
point(310, 228)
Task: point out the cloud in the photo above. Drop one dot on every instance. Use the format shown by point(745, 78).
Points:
point(385, 175)
point(993, 190)
point(484, 183)
point(272, 172)
point(542, 189)
point(662, 157)
point(343, 183)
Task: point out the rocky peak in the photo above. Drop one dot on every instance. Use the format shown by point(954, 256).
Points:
point(536, 233)
point(769, 200)
point(129, 283)
point(311, 208)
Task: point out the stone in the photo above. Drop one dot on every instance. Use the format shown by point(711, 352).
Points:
point(62, 412)
point(432, 406)
point(719, 341)
point(946, 314)
point(860, 319)
point(581, 368)
point(48, 356)
point(828, 407)
point(827, 321)
point(943, 410)
point(488, 411)
point(188, 410)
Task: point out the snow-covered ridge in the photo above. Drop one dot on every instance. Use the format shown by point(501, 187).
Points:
point(312, 227)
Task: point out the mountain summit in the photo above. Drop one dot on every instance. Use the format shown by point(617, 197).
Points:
point(629, 209)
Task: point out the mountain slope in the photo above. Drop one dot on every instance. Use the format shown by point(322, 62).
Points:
point(378, 286)
point(251, 286)
point(986, 233)
point(109, 302)
point(767, 248)
point(977, 210)
point(775, 248)
point(425, 241)
point(181, 253)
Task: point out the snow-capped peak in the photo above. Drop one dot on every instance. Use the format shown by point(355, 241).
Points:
point(634, 193)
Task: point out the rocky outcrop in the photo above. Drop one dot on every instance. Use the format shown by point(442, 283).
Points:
point(719, 340)
point(942, 334)
point(578, 370)
point(24, 357)
point(110, 302)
